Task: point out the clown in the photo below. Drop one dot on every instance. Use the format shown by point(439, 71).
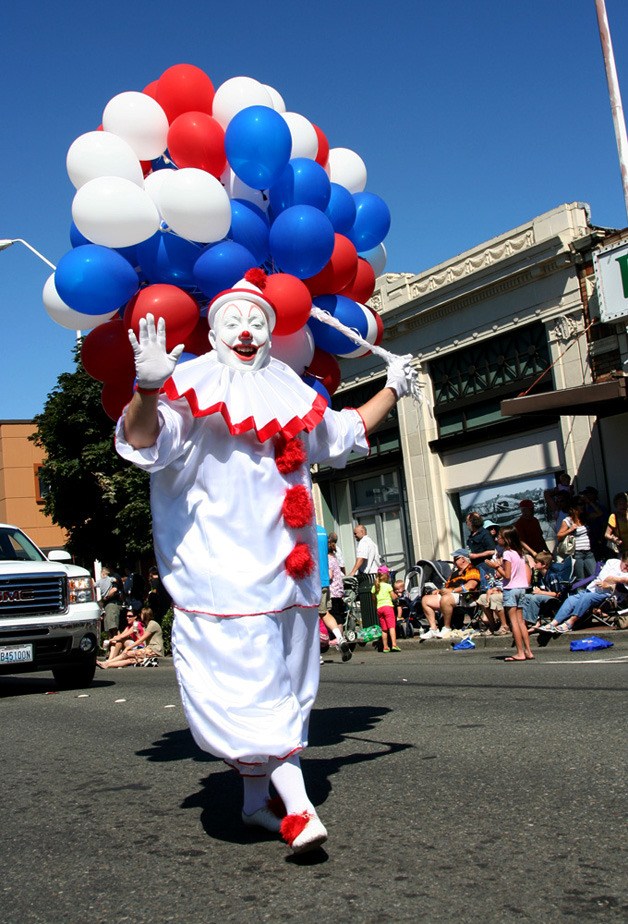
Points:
point(228, 439)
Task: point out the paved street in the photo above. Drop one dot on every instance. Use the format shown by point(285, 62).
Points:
point(455, 787)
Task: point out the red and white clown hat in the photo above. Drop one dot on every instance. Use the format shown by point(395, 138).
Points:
point(250, 289)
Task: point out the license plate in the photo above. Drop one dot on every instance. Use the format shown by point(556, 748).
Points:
point(17, 654)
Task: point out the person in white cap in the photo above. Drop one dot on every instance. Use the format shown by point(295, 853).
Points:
point(228, 438)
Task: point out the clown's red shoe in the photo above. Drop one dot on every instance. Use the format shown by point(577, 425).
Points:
point(303, 832)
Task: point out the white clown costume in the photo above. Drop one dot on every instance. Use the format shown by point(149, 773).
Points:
point(233, 435)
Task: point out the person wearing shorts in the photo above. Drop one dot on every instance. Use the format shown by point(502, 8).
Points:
point(385, 603)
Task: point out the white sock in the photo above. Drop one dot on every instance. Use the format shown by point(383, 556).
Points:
point(256, 793)
point(288, 780)
point(338, 633)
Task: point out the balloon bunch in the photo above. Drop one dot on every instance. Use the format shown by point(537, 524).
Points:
point(184, 188)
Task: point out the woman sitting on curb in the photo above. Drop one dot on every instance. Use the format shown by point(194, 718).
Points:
point(145, 650)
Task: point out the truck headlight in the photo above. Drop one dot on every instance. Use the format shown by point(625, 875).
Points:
point(81, 590)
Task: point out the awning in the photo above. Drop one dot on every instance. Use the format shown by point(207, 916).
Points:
point(600, 399)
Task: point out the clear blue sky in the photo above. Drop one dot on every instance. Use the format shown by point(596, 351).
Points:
point(471, 118)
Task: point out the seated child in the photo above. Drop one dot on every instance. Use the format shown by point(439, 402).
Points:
point(545, 586)
point(402, 609)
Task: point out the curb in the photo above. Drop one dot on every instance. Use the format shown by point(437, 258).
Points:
point(537, 640)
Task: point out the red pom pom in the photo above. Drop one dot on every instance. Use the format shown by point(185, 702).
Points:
point(292, 825)
point(299, 563)
point(297, 508)
point(289, 454)
point(257, 277)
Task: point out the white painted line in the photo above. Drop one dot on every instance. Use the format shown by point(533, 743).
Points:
point(589, 661)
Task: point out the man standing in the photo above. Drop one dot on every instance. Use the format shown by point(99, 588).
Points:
point(366, 564)
point(368, 558)
point(529, 529)
point(228, 438)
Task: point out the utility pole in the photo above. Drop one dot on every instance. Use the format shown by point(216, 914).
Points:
point(614, 95)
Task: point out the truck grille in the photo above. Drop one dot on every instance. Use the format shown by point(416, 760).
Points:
point(23, 595)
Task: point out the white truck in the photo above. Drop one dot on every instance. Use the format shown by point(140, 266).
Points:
point(49, 617)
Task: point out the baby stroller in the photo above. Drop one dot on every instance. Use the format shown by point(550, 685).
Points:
point(353, 617)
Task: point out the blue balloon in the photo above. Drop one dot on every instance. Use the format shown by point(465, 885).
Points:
point(258, 145)
point(76, 238)
point(302, 182)
point(250, 228)
point(341, 209)
point(221, 265)
point(318, 387)
point(348, 313)
point(165, 257)
point(301, 240)
point(372, 221)
point(94, 279)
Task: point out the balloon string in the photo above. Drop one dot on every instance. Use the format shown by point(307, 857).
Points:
point(417, 389)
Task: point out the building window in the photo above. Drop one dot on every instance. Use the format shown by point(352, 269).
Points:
point(42, 488)
point(470, 383)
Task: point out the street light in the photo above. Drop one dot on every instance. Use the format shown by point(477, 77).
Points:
point(18, 240)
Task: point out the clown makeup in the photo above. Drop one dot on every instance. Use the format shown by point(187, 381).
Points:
point(241, 336)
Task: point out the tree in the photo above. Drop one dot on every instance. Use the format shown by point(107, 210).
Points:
point(98, 498)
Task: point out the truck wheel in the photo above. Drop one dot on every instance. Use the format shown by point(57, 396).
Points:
point(76, 676)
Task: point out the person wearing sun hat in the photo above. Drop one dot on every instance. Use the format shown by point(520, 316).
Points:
point(228, 439)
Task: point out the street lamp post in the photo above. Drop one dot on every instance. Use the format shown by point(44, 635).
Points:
point(18, 240)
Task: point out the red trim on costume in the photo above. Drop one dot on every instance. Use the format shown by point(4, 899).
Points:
point(292, 606)
point(299, 563)
point(292, 825)
point(289, 454)
point(297, 508)
point(272, 428)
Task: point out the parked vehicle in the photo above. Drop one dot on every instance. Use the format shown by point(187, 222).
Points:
point(49, 617)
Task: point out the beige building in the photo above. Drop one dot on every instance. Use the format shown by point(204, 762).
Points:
point(21, 501)
point(514, 319)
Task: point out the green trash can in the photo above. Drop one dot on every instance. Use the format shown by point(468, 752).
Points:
point(367, 600)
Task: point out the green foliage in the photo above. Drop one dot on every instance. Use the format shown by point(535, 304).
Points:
point(166, 630)
point(98, 498)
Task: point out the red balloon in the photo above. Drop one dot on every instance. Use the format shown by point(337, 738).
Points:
point(184, 88)
point(325, 368)
point(106, 352)
point(362, 285)
point(380, 326)
point(115, 396)
point(292, 302)
point(147, 167)
point(151, 89)
point(198, 341)
point(323, 147)
point(176, 307)
point(338, 272)
point(197, 140)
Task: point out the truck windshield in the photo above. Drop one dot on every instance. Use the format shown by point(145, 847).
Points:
point(16, 546)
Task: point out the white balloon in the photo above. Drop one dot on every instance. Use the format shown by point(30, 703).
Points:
point(304, 137)
point(377, 257)
point(140, 121)
point(195, 205)
point(277, 99)
point(64, 315)
point(347, 168)
point(371, 334)
point(237, 189)
point(295, 350)
point(153, 184)
point(97, 154)
point(114, 212)
point(238, 93)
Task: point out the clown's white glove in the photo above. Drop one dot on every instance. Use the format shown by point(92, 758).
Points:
point(401, 376)
point(153, 364)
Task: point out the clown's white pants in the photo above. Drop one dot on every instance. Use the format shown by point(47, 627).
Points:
point(248, 684)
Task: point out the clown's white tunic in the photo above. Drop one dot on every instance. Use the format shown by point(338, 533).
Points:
point(245, 636)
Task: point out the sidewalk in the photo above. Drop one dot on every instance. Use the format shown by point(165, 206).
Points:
point(619, 637)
